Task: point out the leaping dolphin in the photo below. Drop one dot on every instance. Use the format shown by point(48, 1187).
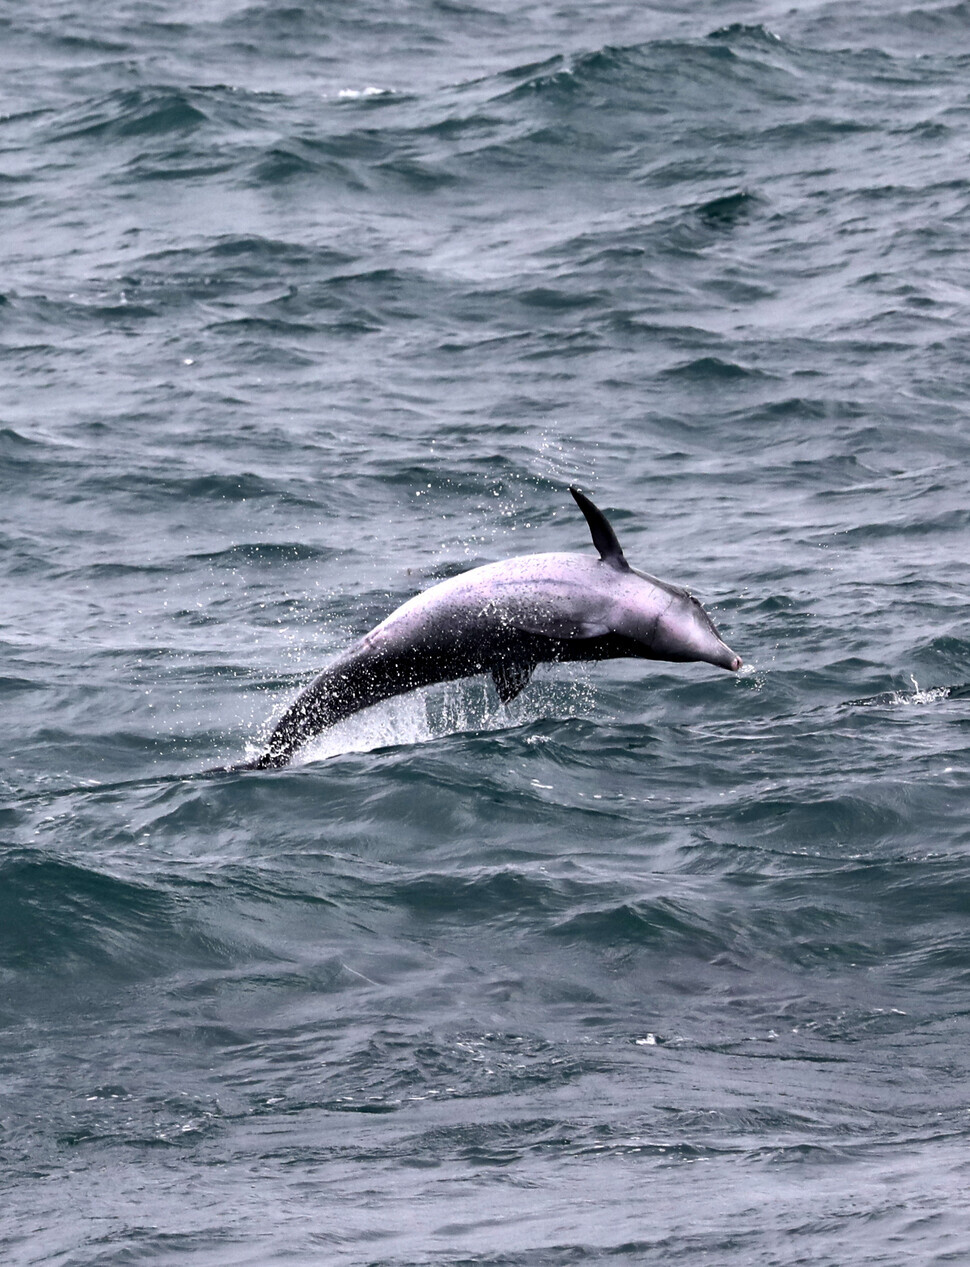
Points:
point(504, 619)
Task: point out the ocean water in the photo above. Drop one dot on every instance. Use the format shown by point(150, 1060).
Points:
point(306, 306)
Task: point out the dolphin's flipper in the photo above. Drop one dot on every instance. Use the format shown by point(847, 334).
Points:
point(604, 538)
point(511, 678)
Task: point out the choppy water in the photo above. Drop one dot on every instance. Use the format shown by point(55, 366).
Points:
point(305, 306)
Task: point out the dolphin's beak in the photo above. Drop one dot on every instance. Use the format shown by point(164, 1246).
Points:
point(725, 658)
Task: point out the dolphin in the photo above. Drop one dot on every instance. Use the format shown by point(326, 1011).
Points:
point(503, 619)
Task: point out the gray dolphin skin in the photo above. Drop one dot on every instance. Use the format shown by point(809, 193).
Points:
point(504, 619)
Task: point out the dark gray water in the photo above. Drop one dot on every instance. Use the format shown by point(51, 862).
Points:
point(305, 306)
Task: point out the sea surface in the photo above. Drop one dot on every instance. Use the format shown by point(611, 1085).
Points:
point(304, 306)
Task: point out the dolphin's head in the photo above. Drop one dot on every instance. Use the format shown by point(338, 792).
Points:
point(668, 623)
point(658, 621)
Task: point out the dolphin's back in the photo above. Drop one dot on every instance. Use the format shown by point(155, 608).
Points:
point(554, 595)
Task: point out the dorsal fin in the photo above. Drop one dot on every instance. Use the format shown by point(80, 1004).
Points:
point(604, 538)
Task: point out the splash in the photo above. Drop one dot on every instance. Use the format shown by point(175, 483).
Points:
point(752, 676)
point(560, 459)
point(919, 696)
point(897, 699)
point(449, 708)
point(351, 94)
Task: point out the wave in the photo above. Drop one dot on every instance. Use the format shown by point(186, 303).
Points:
point(707, 369)
point(662, 923)
point(489, 896)
point(605, 96)
point(160, 110)
point(671, 75)
point(270, 553)
point(240, 487)
point(61, 918)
